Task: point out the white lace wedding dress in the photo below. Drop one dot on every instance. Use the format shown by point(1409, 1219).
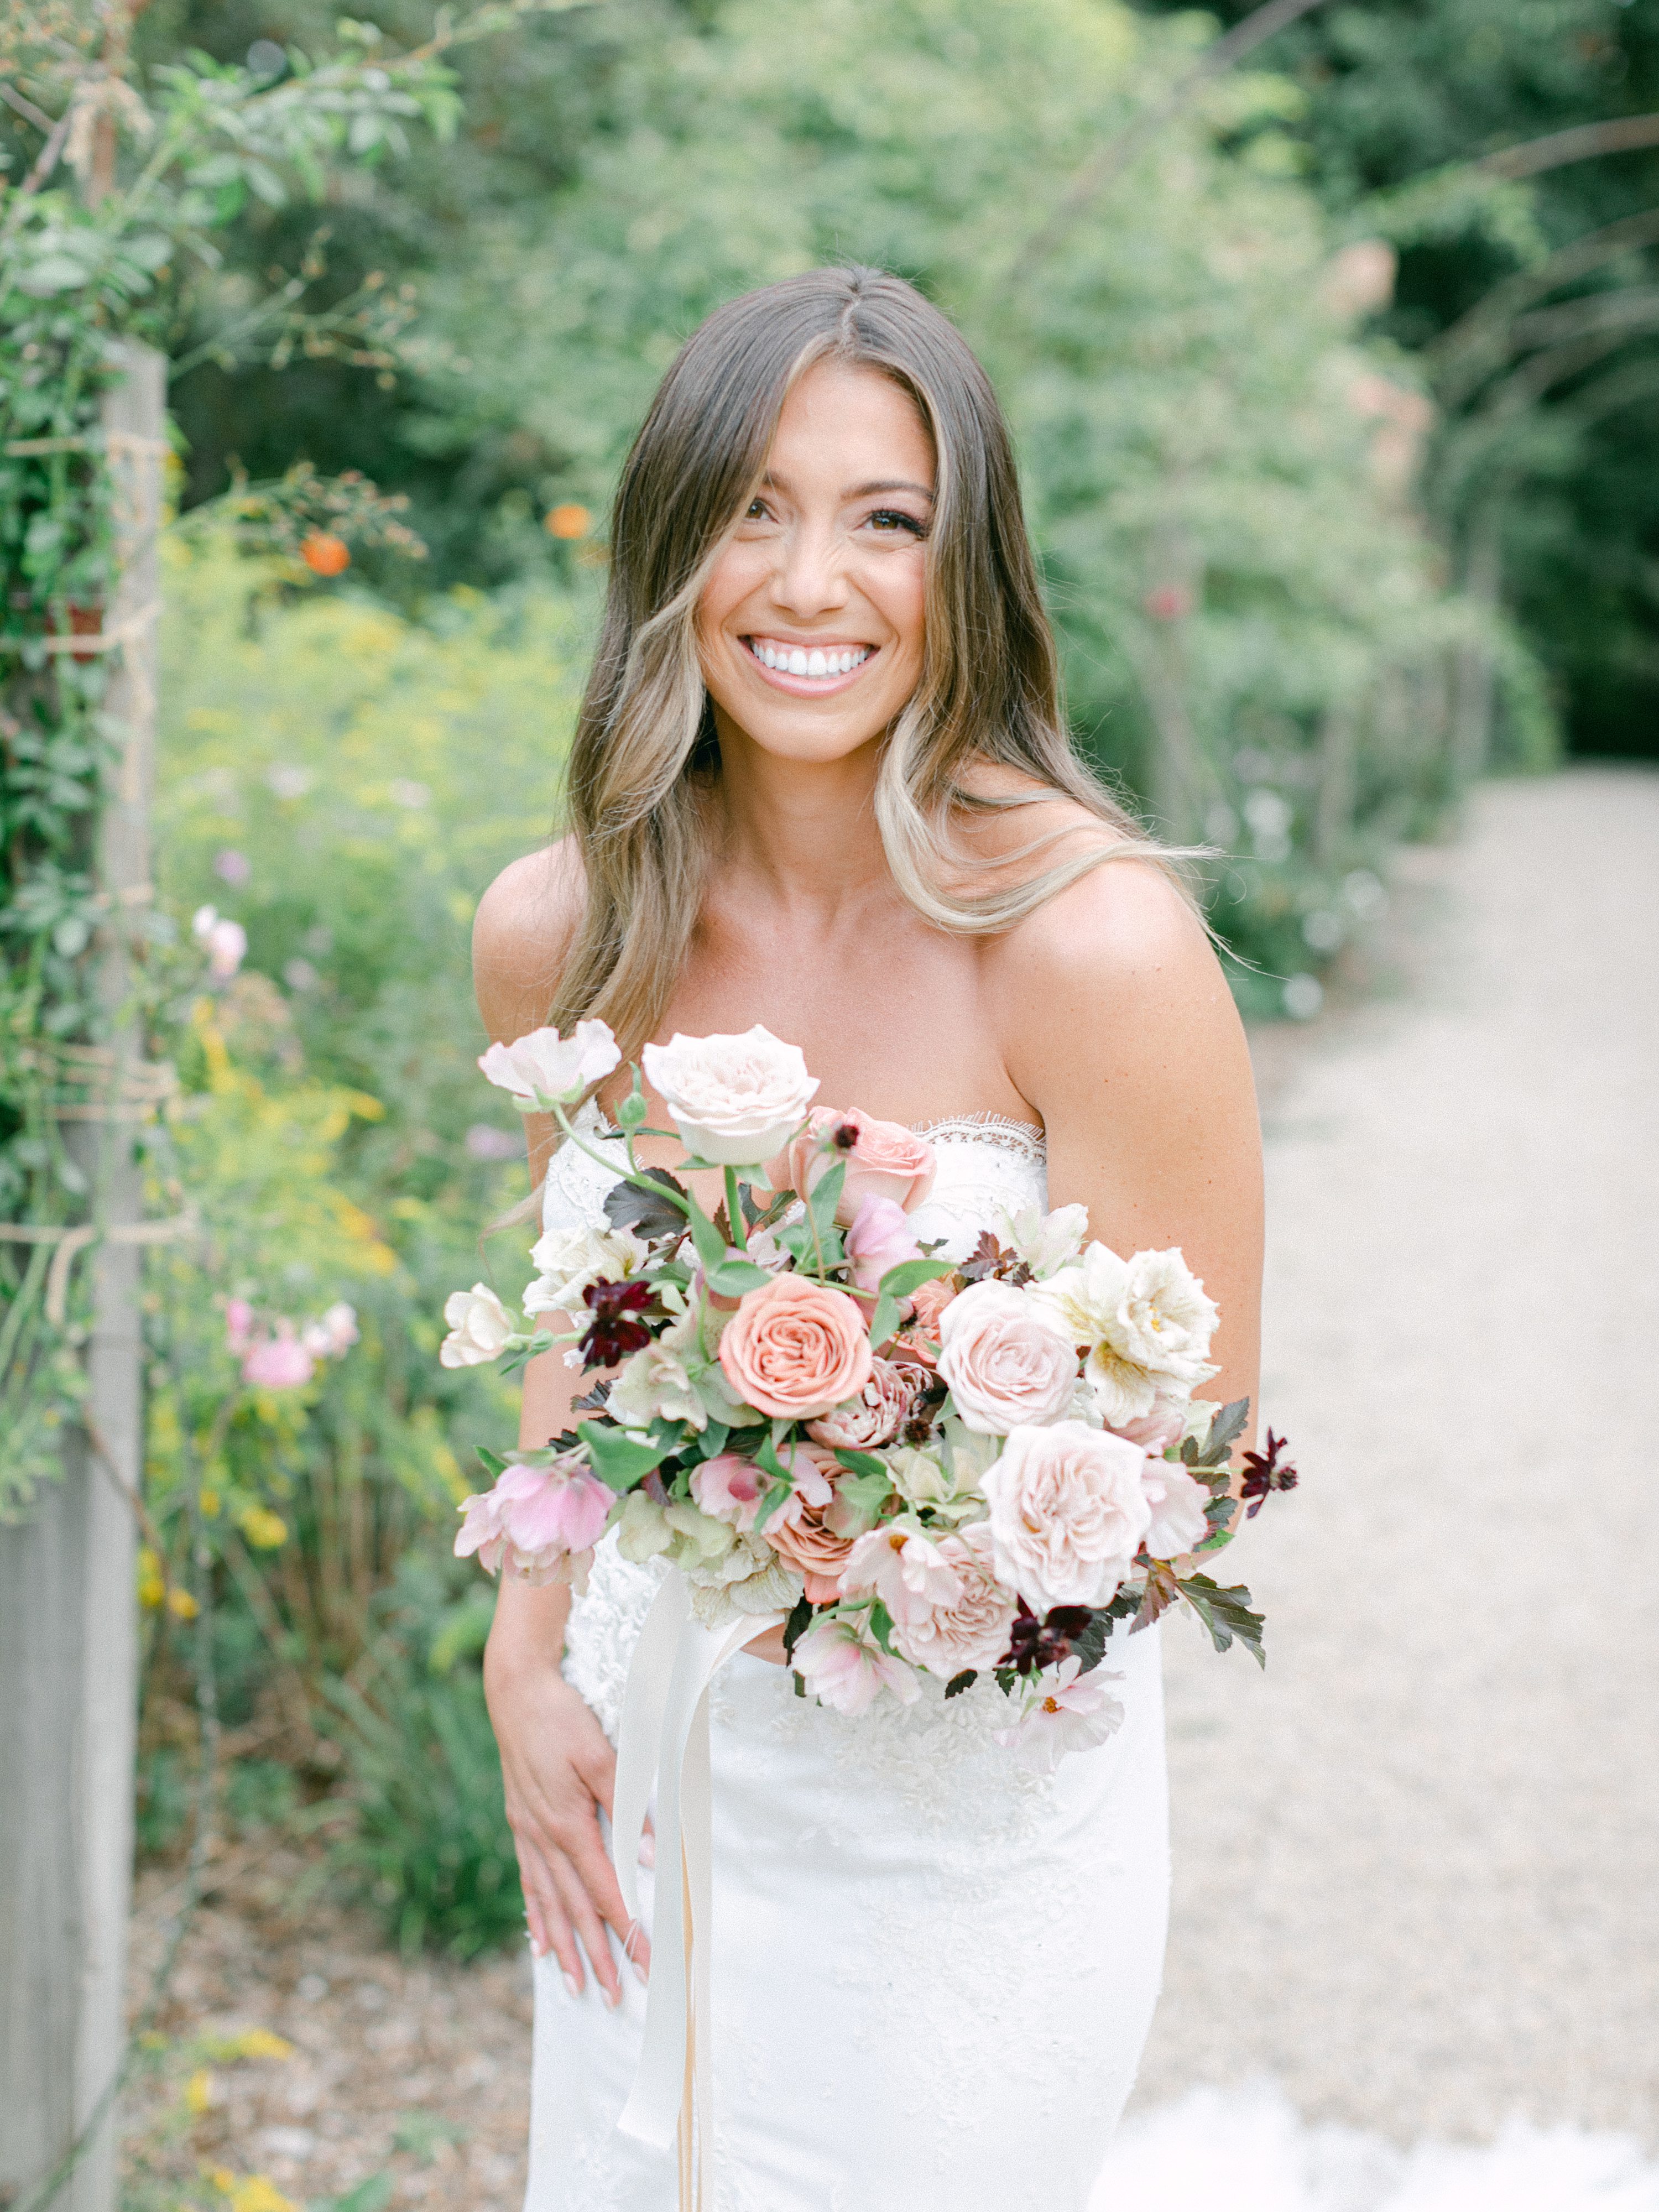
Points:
point(933, 1971)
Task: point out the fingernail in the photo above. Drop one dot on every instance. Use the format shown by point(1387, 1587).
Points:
point(640, 1975)
point(613, 1998)
point(648, 1850)
point(570, 1984)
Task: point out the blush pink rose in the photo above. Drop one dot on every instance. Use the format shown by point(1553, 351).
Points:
point(878, 1412)
point(1069, 1512)
point(878, 1239)
point(884, 1160)
point(1180, 1522)
point(1006, 1359)
point(793, 1349)
point(970, 1630)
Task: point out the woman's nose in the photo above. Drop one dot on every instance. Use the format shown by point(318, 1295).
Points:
point(810, 575)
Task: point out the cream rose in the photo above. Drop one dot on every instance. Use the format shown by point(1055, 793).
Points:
point(735, 1100)
point(795, 1349)
point(1067, 1513)
point(1008, 1363)
point(970, 1630)
point(884, 1160)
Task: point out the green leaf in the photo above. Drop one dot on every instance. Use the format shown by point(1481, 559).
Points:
point(1225, 1430)
point(494, 1464)
point(1226, 1614)
point(897, 1283)
point(731, 1278)
point(618, 1459)
point(712, 1442)
point(958, 1683)
point(711, 1245)
point(863, 1462)
point(881, 1625)
point(800, 1620)
point(769, 1504)
point(370, 2195)
point(827, 1197)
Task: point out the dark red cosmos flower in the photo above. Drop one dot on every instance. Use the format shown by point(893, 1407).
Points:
point(1034, 1644)
point(1263, 1475)
point(614, 1332)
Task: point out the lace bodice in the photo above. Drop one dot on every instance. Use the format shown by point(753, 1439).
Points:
point(985, 1163)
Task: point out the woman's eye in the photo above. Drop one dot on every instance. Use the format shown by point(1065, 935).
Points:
point(888, 521)
point(757, 511)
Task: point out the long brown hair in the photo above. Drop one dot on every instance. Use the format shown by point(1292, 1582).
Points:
point(989, 691)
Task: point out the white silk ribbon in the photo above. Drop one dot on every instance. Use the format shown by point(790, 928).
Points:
point(663, 1741)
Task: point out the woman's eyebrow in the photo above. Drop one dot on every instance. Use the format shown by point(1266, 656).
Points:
point(898, 484)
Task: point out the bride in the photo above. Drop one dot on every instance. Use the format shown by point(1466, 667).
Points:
point(822, 782)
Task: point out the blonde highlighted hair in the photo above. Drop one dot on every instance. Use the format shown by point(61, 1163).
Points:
point(645, 754)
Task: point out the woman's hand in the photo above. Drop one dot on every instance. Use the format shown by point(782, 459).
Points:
point(559, 1769)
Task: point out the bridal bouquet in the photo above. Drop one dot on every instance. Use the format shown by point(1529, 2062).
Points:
point(934, 1467)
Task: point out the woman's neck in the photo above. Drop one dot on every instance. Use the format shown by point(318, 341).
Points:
point(801, 832)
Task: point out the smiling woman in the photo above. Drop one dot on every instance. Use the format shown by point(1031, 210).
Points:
point(822, 790)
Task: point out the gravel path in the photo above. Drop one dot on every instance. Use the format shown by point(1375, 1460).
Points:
point(1415, 1864)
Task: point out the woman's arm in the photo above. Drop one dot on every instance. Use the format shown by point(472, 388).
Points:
point(1116, 1023)
point(556, 1763)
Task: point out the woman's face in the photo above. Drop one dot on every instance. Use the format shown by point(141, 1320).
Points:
point(810, 628)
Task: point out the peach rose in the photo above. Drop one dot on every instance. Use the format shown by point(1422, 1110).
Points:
point(794, 1348)
point(884, 1160)
point(878, 1412)
point(928, 1301)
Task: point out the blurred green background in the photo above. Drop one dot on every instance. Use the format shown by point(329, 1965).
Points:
point(1337, 461)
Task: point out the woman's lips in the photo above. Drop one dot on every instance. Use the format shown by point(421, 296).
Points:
point(810, 671)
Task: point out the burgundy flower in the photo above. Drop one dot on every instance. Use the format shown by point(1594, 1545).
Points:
point(1034, 1644)
point(1263, 1475)
point(614, 1332)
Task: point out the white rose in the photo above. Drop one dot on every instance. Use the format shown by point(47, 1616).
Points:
point(571, 1258)
point(544, 1065)
point(1067, 1513)
point(1177, 1499)
point(971, 1629)
point(652, 1385)
point(1007, 1361)
point(479, 1326)
point(1045, 1241)
point(1146, 1323)
point(735, 1100)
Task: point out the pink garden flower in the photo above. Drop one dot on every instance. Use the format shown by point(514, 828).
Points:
point(908, 1571)
point(843, 1665)
point(884, 1160)
point(1068, 1513)
point(538, 1523)
point(1065, 1709)
point(1177, 1499)
point(1008, 1364)
point(239, 1326)
point(280, 1363)
point(879, 1238)
point(878, 1412)
point(970, 1630)
point(928, 1304)
point(794, 1348)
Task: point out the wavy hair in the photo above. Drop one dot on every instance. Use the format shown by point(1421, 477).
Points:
point(645, 754)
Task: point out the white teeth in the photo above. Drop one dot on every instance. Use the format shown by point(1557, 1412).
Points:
point(799, 660)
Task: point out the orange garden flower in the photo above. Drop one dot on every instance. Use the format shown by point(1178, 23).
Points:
point(325, 555)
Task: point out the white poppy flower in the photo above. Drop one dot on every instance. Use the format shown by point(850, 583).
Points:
point(571, 1258)
point(479, 1328)
point(543, 1065)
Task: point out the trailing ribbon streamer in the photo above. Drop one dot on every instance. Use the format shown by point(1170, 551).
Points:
point(663, 1741)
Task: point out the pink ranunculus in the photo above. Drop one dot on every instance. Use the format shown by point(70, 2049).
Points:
point(537, 1521)
point(929, 1302)
point(908, 1571)
point(843, 1665)
point(972, 1630)
point(795, 1348)
point(1068, 1513)
point(1008, 1364)
point(878, 1412)
point(879, 1238)
point(884, 1160)
point(238, 1325)
point(281, 1362)
point(1065, 1709)
point(1177, 1499)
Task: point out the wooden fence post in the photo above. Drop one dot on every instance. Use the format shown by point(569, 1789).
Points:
point(69, 1643)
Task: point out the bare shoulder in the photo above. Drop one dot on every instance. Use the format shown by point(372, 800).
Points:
point(1112, 983)
point(1020, 827)
point(521, 934)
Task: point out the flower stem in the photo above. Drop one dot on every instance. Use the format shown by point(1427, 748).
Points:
point(734, 1210)
point(632, 1174)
